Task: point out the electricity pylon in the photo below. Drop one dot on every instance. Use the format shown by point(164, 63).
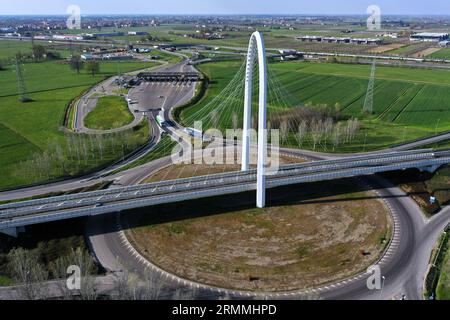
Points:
point(368, 103)
point(21, 82)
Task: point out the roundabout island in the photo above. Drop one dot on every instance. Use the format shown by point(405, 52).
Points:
point(308, 236)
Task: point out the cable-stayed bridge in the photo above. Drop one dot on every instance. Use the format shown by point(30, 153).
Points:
point(50, 209)
point(116, 200)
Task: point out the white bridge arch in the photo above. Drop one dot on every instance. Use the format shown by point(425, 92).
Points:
point(256, 45)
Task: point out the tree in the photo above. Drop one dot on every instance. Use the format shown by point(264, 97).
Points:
point(93, 67)
point(337, 135)
point(28, 272)
point(302, 131)
point(39, 52)
point(235, 120)
point(76, 63)
point(284, 131)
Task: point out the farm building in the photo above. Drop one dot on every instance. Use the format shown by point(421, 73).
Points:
point(428, 36)
point(372, 41)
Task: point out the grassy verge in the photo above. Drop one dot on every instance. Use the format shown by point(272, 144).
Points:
point(437, 282)
point(163, 149)
point(78, 155)
point(31, 128)
point(443, 286)
point(110, 113)
point(163, 55)
point(422, 185)
point(48, 242)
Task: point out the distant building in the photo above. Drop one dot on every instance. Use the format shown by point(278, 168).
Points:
point(310, 39)
point(69, 37)
point(111, 34)
point(290, 57)
point(429, 37)
point(117, 57)
point(7, 30)
point(88, 57)
point(107, 57)
point(13, 35)
point(137, 33)
point(345, 40)
point(287, 52)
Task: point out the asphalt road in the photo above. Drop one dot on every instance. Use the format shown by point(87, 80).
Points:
point(404, 269)
point(404, 265)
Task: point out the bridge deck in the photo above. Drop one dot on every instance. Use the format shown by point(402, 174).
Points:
point(116, 200)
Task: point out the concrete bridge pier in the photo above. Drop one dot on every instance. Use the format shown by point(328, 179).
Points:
point(430, 169)
point(13, 232)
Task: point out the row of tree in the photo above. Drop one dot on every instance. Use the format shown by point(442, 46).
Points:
point(29, 272)
point(317, 126)
point(323, 132)
point(76, 63)
point(77, 153)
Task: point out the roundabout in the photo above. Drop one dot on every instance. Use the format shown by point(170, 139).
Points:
point(305, 238)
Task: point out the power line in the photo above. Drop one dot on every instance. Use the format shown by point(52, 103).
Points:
point(21, 86)
point(368, 103)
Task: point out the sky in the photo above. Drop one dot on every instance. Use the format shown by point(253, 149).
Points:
point(182, 7)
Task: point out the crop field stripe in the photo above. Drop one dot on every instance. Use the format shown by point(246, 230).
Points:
point(309, 82)
point(19, 135)
point(389, 96)
point(409, 96)
point(407, 105)
point(321, 89)
point(431, 105)
point(351, 87)
point(47, 90)
point(13, 147)
point(389, 108)
point(300, 82)
point(362, 97)
point(353, 74)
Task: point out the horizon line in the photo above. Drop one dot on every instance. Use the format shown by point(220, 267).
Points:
point(224, 14)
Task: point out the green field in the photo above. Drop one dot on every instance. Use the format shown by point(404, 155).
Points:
point(443, 287)
point(9, 48)
point(171, 58)
point(110, 113)
point(441, 54)
point(408, 103)
point(28, 128)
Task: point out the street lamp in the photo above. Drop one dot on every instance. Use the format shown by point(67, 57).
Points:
point(382, 286)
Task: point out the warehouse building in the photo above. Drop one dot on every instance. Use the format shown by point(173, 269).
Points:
point(346, 40)
point(429, 37)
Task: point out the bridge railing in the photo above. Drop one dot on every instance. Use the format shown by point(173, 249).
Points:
point(161, 187)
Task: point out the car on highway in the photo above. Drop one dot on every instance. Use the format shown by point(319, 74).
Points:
point(98, 205)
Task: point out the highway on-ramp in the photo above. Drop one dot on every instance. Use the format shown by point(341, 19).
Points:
point(404, 266)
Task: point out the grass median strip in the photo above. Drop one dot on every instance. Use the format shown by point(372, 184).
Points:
point(110, 113)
